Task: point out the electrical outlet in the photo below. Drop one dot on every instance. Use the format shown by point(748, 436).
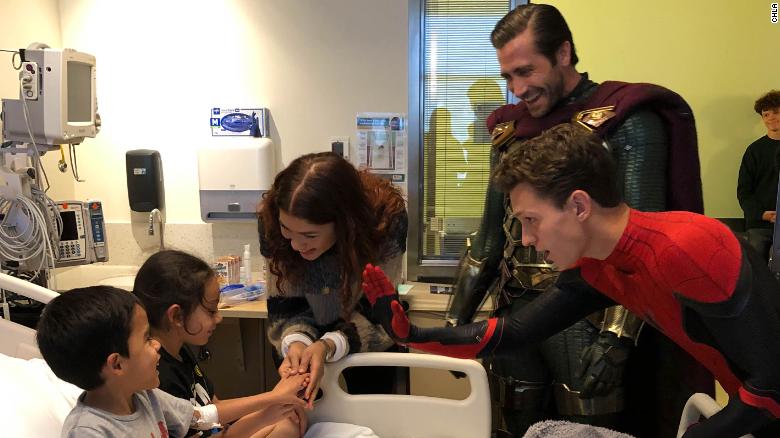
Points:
point(340, 145)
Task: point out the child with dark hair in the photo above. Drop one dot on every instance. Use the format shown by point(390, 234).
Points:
point(181, 294)
point(97, 338)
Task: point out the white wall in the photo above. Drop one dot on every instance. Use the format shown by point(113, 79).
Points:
point(161, 66)
point(20, 28)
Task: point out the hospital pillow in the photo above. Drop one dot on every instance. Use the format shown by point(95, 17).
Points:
point(33, 401)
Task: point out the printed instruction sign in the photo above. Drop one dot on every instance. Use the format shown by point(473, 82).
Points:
point(239, 122)
point(381, 147)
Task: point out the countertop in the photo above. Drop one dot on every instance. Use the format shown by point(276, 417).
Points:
point(420, 299)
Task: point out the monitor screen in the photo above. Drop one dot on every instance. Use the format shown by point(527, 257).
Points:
point(69, 228)
point(79, 92)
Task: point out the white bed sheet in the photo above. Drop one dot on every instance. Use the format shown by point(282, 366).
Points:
point(339, 430)
point(33, 401)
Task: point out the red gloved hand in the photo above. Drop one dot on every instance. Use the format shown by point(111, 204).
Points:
point(465, 341)
point(385, 306)
point(376, 284)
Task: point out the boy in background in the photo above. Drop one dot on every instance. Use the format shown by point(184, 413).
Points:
point(758, 175)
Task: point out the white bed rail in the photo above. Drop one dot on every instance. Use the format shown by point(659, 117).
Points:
point(698, 405)
point(17, 340)
point(26, 288)
point(407, 416)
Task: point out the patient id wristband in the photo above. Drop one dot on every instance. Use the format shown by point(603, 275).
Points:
point(208, 418)
point(340, 341)
point(292, 338)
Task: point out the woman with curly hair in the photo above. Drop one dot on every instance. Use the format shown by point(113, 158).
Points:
point(319, 224)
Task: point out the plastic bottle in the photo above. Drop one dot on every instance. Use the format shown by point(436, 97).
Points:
point(246, 267)
point(242, 278)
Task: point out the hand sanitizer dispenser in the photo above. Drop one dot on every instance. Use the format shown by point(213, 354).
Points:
point(145, 188)
point(232, 178)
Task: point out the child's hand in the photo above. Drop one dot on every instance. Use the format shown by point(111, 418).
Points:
point(278, 412)
point(303, 422)
point(286, 391)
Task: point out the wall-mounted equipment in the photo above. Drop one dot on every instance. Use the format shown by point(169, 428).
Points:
point(57, 90)
point(233, 176)
point(57, 106)
point(82, 235)
point(145, 188)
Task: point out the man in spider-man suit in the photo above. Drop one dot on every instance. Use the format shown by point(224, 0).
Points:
point(683, 273)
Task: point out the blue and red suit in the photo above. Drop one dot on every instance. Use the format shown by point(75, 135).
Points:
point(683, 273)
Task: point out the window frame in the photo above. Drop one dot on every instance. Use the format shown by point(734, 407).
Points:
point(435, 271)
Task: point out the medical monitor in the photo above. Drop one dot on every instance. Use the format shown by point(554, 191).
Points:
point(82, 233)
point(58, 87)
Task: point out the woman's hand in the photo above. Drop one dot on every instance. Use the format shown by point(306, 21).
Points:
point(313, 360)
point(291, 365)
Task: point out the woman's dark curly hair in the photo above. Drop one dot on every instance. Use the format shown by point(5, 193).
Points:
point(322, 188)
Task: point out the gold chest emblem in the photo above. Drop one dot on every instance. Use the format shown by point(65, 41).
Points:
point(595, 117)
point(502, 132)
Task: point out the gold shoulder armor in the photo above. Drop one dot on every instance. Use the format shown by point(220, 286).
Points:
point(591, 119)
point(503, 133)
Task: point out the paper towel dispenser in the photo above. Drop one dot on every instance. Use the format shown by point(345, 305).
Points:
point(233, 177)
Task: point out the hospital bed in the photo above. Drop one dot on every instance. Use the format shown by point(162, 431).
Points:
point(33, 402)
point(17, 340)
point(392, 415)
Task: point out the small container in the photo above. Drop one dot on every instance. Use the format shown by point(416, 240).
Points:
point(235, 294)
point(221, 270)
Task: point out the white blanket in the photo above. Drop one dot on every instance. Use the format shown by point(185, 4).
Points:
point(33, 401)
point(338, 430)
